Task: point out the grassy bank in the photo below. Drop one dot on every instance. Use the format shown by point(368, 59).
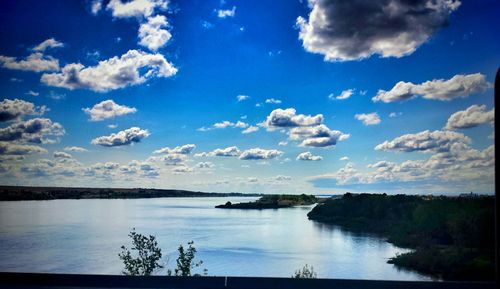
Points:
point(453, 238)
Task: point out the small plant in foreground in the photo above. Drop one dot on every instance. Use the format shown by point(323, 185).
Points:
point(306, 273)
point(144, 261)
point(185, 262)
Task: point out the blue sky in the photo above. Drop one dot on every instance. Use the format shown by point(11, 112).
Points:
point(252, 96)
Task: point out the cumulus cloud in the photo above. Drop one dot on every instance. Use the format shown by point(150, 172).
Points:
point(107, 109)
point(183, 150)
point(49, 43)
point(368, 118)
point(224, 13)
point(250, 129)
point(75, 149)
point(281, 178)
point(232, 151)
point(459, 86)
point(204, 165)
point(152, 35)
point(344, 158)
point(242, 97)
point(124, 137)
point(471, 117)
point(225, 124)
point(34, 130)
point(273, 101)
point(351, 30)
point(288, 118)
point(62, 155)
point(96, 6)
point(308, 129)
point(425, 142)
point(317, 136)
point(132, 68)
point(259, 154)
point(458, 163)
point(49, 168)
point(173, 159)
point(8, 148)
point(17, 108)
point(36, 62)
point(135, 8)
point(344, 95)
point(308, 156)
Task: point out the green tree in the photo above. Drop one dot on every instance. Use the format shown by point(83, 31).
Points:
point(306, 273)
point(143, 260)
point(185, 262)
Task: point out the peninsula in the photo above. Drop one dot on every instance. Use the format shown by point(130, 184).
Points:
point(273, 202)
point(453, 237)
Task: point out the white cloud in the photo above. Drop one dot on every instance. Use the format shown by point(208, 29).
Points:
point(308, 156)
point(135, 8)
point(344, 95)
point(152, 35)
point(273, 101)
point(183, 150)
point(287, 118)
point(49, 43)
point(250, 129)
point(226, 152)
point(34, 130)
point(471, 117)
point(317, 136)
point(107, 109)
point(242, 97)
point(173, 159)
point(425, 142)
point(62, 155)
point(344, 158)
point(259, 154)
point(308, 129)
point(32, 93)
point(75, 149)
point(223, 13)
point(283, 143)
point(112, 126)
point(354, 30)
point(204, 165)
point(8, 148)
point(17, 108)
point(368, 118)
point(36, 62)
point(96, 6)
point(132, 68)
point(395, 114)
point(124, 137)
point(459, 86)
point(281, 178)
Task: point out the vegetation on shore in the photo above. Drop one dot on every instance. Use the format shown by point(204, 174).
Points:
point(452, 237)
point(143, 259)
point(11, 193)
point(273, 202)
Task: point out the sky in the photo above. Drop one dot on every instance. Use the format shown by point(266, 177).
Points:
point(316, 97)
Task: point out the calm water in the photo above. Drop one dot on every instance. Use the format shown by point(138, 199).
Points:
point(84, 236)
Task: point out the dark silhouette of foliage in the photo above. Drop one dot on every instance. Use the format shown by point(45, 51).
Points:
point(453, 237)
point(185, 262)
point(143, 260)
point(305, 273)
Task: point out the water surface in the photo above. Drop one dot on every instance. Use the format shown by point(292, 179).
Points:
point(84, 236)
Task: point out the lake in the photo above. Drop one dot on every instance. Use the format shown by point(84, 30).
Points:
point(85, 236)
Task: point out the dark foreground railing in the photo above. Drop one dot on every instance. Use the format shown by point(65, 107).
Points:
point(60, 281)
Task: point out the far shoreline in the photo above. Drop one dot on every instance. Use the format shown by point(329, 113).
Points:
point(28, 193)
